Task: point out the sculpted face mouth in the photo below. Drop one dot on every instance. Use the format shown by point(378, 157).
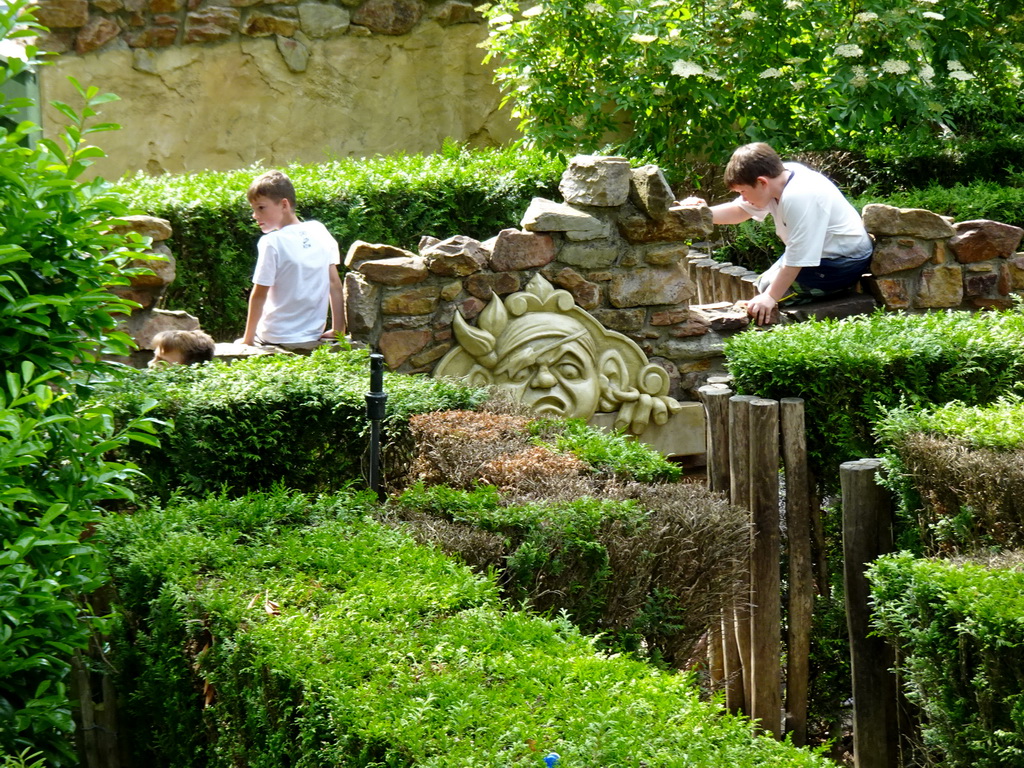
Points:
point(549, 405)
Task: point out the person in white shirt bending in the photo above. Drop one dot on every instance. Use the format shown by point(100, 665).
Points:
point(827, 247)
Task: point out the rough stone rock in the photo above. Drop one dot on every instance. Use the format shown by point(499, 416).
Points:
point(414, 301)
point(981, 284)
point(407, 323)
point(981, 240)
point(145, 61)
point(402, 270)
point(596, 180)
point(484, 285)
point(649, 192)
point(688, 223)
point(895, 254)
point(163, 270)
point(211, 24)
point(61, 13)
point(891, 292)
point(144, 326)
point(426, 241)
point(663, 255)
point(586, 293)
point(388, 17)
point(594, 254)
point(322, 21)
point(399, 346)
point(147, 226)
point(1015, 269)
point(165, 6)
point(942, 286)
point(693, 327)
point(513, 250)
point(649, 286)
point(108, 6)
point(890, 221)
point(623, 320)
point(294, 51)
point(362, 303)
point(471, 307)
point(143, 297)
point(56, 41)
point(95, 34)
point(450, 291)
point(670, 316)
point(455, 257)
point(430, 355)
point(260, 24)
point(455, 12)
point(361, 251)
point(547, 216)
point(152, 37)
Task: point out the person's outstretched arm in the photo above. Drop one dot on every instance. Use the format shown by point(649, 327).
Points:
point(337, 294)
point(257, 300)
point(723, 213)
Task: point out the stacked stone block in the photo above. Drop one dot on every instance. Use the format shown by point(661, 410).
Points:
point(925, 261)
point(613, 244)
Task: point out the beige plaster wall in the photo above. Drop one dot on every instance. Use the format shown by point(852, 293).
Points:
point(230, 105)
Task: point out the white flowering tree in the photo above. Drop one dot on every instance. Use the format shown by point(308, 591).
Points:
point(682, 79)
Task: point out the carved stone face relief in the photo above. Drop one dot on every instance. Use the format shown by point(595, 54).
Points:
point(556, 358)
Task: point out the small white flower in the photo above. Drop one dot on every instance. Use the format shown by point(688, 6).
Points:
point(660, 4)
point(849, 51)
point(794, 5)
point(933, 15)
point(959, 74)
point(712, 75)
point(859, 71)
point(952, 65)
point(595, 8)
point(578, 121)
point(674, 33)
point(770, 73)
point(798, 85)
point(927, 73)
point(658, 90)
point(859, 81)
point(748, 15)
point(503, 19)
point(643, 39)
point(895, 66)
point(537, 10)
point(915, 44)
point(796, 61)
point(686, 69)
point(866, 16)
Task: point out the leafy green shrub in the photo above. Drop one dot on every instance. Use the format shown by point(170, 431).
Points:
point(957, 627)
point(395, 200)
point(59, 255)
point(648, 565)
point(312, 632)
point(958, 473)
point(269, 419)
point(850, 371)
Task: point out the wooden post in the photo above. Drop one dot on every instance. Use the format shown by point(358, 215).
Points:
point(801, 574)
point(739, 495)
point(716, 405)
point(867, 534)
point(722, 653)
point(705, 280)
point(765, 579)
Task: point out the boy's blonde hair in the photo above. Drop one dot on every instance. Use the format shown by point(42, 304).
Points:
point(750, 162)
point(194, 346)
point(273, 184)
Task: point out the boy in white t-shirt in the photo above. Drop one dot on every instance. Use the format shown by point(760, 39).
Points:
point(296, 276)
point(827, 247)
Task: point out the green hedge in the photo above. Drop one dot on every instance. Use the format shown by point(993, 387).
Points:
point(395, 200)
point(958, 629)
point(269, 419)
point(959, 474)
point(316, 637)
point(851, 371)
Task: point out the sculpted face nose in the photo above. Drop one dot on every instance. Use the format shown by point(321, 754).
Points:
point(543, 379)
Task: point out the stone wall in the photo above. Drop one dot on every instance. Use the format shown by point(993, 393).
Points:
point(224, 84)
point(614, 245)
point(925, 261)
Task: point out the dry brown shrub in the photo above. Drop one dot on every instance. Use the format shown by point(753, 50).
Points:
point(952, 478)
point(529, 470)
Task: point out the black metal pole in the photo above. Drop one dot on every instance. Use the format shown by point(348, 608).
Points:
point(375, 401)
